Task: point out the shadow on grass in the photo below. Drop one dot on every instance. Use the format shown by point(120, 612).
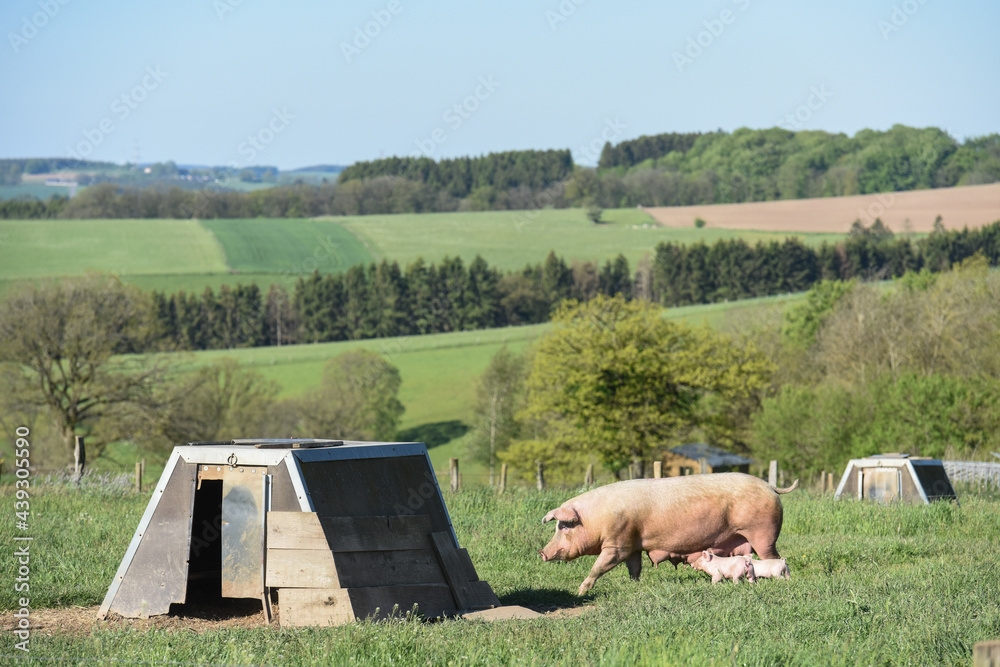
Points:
point(545, 599)
point(434, 433)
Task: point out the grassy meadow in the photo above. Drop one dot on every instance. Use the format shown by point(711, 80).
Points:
point(871, 584)
point(189, 255)
point(511, 239)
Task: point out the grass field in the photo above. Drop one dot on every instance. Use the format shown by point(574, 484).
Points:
point(871, 584)
point(287, 247)
point(32, 249)
point(174, 255)
point(510, 239)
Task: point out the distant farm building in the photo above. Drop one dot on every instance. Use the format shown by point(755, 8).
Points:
point(689, 460)
point(889, 478)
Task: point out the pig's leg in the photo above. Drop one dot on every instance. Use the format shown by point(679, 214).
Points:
point(634, 565)
point(607, 560)
point(764, 543)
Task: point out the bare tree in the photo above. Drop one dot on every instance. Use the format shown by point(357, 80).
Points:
point(65, 349)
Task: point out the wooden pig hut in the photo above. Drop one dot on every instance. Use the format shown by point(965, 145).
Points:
point(896, 477)
point(335, 531)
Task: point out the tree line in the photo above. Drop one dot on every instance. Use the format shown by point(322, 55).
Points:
point(732, 269)
point(661, 170)
point(379, 300)
point(383, 299)
point(760, 165)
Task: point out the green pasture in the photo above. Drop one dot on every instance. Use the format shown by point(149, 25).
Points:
point(31, 249)
point(287, 246)
point(871, 585)
point(511, 239)
point(174, 255)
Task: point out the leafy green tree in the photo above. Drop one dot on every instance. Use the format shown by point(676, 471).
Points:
point(624, 380)
point(803, 320)
point(358, 399)
point(499, 393)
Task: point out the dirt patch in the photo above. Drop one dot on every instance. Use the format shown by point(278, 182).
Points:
point(972, 206)
point(192, 618)
point(233, 614)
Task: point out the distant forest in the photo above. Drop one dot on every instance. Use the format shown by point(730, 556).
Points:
point(383, 300)
point(661, 170)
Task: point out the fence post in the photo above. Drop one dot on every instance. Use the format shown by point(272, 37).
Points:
point(454, 474)
point(588, 479)
point(539, 475)
point(503, 477)
point(986, 654)
point(829, 485)
point(79, 458)
point(703, 465)
point(772, 474)
point(657, 469)
point(822, 481)
point(138, 477)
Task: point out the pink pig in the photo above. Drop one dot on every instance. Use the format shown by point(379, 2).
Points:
point(674, 518)
point(720, 567)
point(770, 569)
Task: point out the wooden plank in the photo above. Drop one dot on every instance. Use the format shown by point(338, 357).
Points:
point(243, 534)
point(469, 592)
point(299, 607)
point(432, 600)
point(378, 533)
point(307, 530)
point(481, 596)
point(157, 574)
point(451, 564)
point(295, 530)
point(301, 568)
point(388, 568)
point(402, 485)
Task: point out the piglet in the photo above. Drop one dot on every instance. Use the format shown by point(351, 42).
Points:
point(720, 567)
point(772, 568)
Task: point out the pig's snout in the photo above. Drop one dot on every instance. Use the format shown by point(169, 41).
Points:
point(545, 558)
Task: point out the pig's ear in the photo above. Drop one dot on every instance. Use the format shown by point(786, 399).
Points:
point(566, 514)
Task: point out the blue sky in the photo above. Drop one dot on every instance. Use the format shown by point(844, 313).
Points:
point(305, 82)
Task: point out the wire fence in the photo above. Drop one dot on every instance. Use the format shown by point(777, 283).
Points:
point(973, 472)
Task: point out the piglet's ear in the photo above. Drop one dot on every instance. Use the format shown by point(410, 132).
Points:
point(566, 514)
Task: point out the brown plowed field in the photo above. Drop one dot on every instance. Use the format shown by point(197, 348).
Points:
point(972, 206)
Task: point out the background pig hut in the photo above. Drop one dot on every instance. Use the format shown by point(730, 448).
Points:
point(672, 519)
